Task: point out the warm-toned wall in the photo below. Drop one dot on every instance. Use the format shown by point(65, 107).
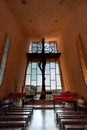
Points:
point(16, 60)
point(70, 63)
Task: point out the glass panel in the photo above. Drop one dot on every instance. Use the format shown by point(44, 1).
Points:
point(52, 65)
point(4, 58)
point(34, 65)
point(47, 69)
point(27, 82)
point(52, 74)
point(29, 69)
point(57, 68)
point(34, 50)
point(59, 87)
point(39, 80)
point(58, 80)
point(33, 74)
point(33, 83)
point(38, 70)
point(47, 80)
point(48, 88)
point(39, 88)
point(34, 45)
point(46, 48)
point(53, 85)
point(39, 48)
point(52, 48)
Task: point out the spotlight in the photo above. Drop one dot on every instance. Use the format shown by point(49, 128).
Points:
point(23, 1)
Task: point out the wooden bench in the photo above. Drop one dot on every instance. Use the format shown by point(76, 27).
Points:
point(16, 114)
point(10, 128)
point(72, 122)
point(74, 127)
point(15, 118)
point(18, 110)
point(76, 116)
point(22, 108)
point(68, 113)
point(13, 124)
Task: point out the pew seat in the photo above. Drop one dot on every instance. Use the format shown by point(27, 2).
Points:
point(15, 113)
point(13, 124)
point(68, 113)
point(10, 128)
point(74, 127)
point(75, 116)
point(14, 118)
point(72, 122)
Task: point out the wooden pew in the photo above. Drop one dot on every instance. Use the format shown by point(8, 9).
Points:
point(13, 124)
point(75, 116)
point(18, 110)
point(15, 118)
point(10, 128)
point(68, 113)
point(72, 122)
point(74, 127)
point(22, 108)
point(15, 113)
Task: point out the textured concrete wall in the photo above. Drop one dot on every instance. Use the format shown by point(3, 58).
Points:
point(16, 59)
point(70, 63)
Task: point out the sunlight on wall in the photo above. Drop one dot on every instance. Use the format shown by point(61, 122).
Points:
point(80, 50)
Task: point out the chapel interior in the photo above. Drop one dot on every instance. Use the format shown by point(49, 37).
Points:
point(36, 35)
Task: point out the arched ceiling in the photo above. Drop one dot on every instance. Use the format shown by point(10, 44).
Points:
point(42, 18)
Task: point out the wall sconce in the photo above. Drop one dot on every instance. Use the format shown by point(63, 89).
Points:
point(23, 1)
point(61, 1)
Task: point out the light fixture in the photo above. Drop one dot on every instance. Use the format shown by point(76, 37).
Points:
point(23, 1)
point(61, 1)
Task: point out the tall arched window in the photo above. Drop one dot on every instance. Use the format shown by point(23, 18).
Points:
point(52, 72)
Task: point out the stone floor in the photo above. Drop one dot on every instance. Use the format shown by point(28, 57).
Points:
point(43, 119)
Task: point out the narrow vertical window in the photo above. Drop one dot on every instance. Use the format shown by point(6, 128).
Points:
point(4, 58)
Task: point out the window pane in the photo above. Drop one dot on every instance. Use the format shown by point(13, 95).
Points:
point(47, 69)
point(34, 65)
point(58, 80)
point(39, 48)
point(39, 88)
point(29, 69)
point(53, 85)
point(52, 65)
point(39, 80)
point(48, 88)
point(52, 48)
point(33, 74)
point(33, 83)
point(52, 74)
point(47, 80)
point(38, 70)
point(34, 45)
point(27, 82)
point(46, 48)
point(57, 68)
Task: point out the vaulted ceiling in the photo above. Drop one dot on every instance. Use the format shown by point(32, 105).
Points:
point(43, 18)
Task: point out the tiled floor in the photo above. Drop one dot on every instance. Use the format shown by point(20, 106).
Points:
point(43, 119)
